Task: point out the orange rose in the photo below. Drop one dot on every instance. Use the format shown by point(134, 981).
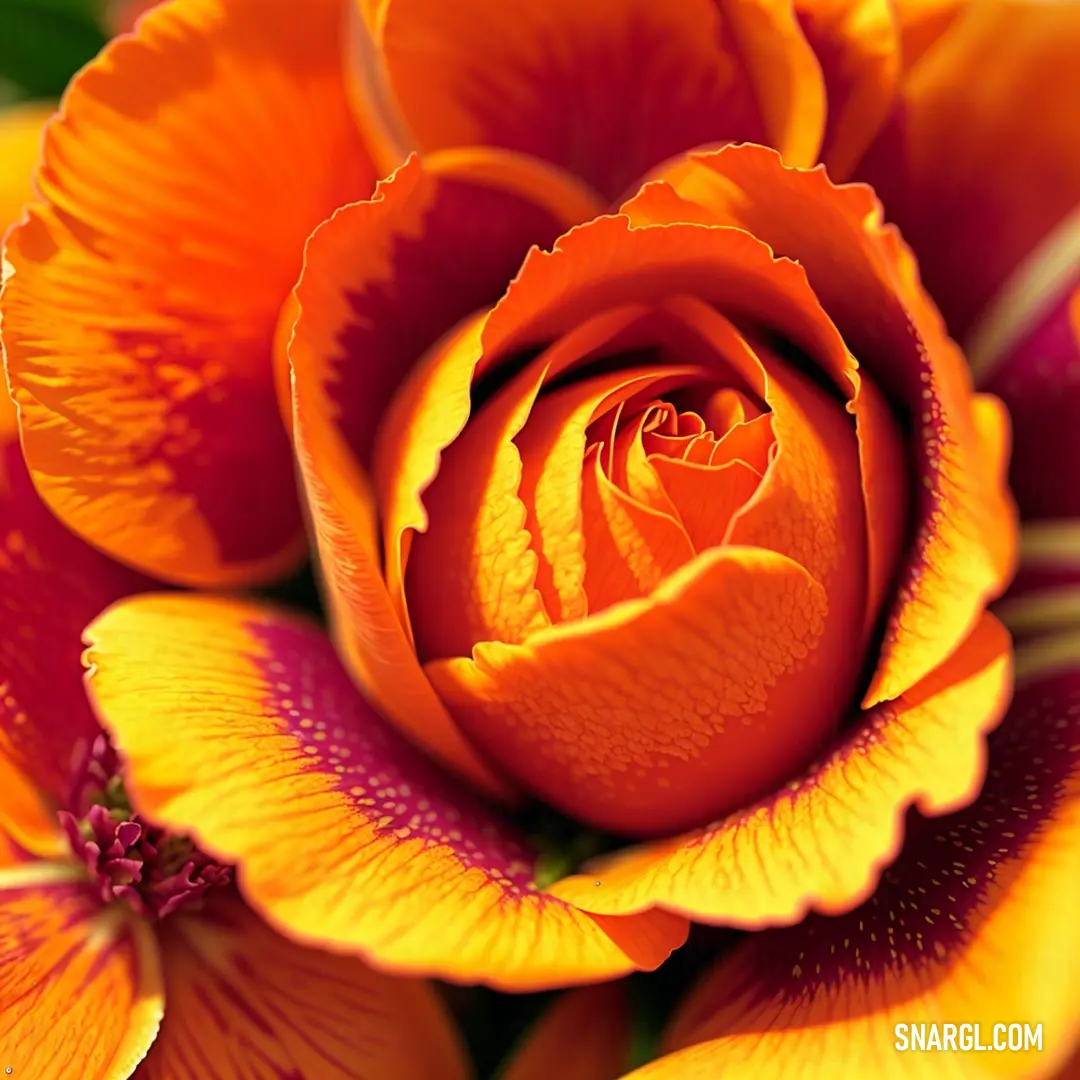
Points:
point(636, 524)
point(643, 519)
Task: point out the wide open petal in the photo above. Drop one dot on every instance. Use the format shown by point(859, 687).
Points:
point(383, 282)
point(244, 1002)
point(857, 43)
point(963, 551)
point(52, 585)
point(80, 985)
point(971, 209)
point(975, 923)
point(188, 165)
point(584, 1035)
point(821, 841)
point(346, 836)
point(607, 90)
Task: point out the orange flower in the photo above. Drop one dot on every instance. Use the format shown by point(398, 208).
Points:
point(670, 505)
point(104, 916)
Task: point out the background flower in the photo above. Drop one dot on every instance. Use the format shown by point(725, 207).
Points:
point(108, 921)
point(118, 940)
point(191, 164)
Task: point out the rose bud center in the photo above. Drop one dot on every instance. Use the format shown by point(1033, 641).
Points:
point(642, 589)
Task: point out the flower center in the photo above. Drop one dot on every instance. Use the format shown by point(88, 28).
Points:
point(153, 870)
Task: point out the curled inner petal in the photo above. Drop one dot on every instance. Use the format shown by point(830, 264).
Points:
point(610, 460)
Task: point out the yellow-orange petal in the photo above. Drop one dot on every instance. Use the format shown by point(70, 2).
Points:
point(660, 710)
point(557, 477)
point(886, 490)
point(975, 923)
point(186, 168)
point(243, 998)
point(809, 507)
point(970, 211)
point(80, 984)
point(585, 1035)
point(857, 43)
point(453, 609)
point(478, 580)
point(649, 543)
point(965, 523)
point(383, 282)
point(52, 585)
point(555, 727)
point(705, 495)
point(346, 836)
point(605, 90)
point(629, 466)
point(643, 255)
point(821, 841)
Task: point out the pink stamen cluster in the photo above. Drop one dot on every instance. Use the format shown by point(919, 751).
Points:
point(153, 870)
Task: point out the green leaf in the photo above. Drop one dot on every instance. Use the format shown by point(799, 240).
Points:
point(44, 42)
